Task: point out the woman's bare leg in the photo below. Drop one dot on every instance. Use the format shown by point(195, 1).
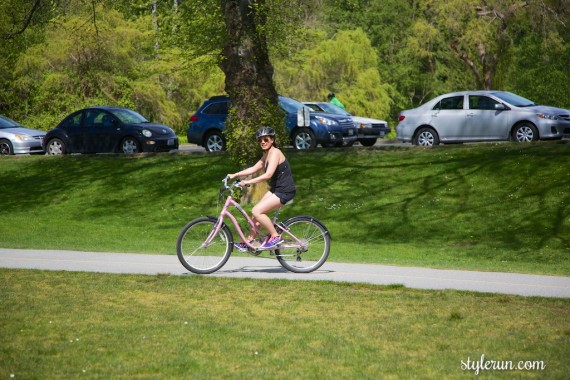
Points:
point(268, 203)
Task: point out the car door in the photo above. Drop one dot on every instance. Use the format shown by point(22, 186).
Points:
point(448, 118)
point(74, 131)
point(105, 132)
point(484, 120)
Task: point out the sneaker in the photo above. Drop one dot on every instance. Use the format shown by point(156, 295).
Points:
point(272, 243)
point(242, 246)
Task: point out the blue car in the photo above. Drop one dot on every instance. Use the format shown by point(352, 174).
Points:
point(207, 125)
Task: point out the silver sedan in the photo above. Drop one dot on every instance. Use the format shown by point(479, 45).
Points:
point(481, 116)
point(15, 139)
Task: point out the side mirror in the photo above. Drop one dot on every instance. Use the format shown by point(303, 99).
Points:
point(500, 107)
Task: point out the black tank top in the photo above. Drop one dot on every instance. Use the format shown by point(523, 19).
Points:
point(282, 179)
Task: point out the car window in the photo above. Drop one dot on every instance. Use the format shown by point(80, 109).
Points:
point(73, 121)
point(314, 107)
point(515, 100)
point(219, 108)
point(93, 118)
point(290, 105)
point(102, 119)
point(331, 108)
point(451, 103)
point(128, 116)
point(478, 102)
point(8, 123)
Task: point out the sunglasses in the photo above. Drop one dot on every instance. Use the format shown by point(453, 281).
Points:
point(264, 139)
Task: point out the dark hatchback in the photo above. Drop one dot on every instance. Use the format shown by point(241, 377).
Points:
point(108, 129)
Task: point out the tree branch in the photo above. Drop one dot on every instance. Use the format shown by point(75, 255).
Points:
point(26, 23)
point(467, 61)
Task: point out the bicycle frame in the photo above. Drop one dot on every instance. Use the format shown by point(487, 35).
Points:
point(226, 213)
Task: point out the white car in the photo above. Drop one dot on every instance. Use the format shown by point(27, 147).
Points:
point(369, 130)
point(15, 139)
point(481, 116)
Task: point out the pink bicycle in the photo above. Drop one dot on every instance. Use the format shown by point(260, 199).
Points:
point(205, 244)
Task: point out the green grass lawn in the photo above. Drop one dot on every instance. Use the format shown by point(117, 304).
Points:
point(495, 207)
point(58, 325)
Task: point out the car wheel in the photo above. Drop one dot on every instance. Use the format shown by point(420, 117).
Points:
point(426, 137)
point(304, 138)
point(55, 147)
point(6, 147)
point(525, 132)
point(367, 142)
point(130, 145)
point(215, 142)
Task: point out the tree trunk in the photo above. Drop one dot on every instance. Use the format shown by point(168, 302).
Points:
point(249, 76)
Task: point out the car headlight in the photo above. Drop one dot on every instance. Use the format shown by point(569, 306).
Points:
point(547, 116)
point(146, 133)
point(364, 125)
point(23, 138)
point(325, 120)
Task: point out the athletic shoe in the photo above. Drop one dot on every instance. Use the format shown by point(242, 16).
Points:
point(272, 243)
point(242, 246)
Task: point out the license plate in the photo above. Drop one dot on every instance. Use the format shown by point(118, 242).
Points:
point(170, 142)
point(351, 132)
point(382, 134)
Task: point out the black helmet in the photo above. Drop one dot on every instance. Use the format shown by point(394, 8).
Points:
point(265, 131)
point(331, 95)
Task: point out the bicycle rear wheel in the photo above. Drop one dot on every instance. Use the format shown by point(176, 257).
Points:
point(193, 252)
point(313, 249)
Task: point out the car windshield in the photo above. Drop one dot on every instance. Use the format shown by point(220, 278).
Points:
point(6, 123)
point(331, 108)
point(128, 116)
point(290, 105)
point(515, 100)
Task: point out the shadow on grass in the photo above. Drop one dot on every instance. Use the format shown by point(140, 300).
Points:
point(491, 195)
point(503, 195)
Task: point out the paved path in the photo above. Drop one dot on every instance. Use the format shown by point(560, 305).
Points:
point(261, 268)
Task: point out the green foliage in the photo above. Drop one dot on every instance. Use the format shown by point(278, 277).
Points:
point(240, 130)
point(109, 60)
point(378, 56)
point(429, 47)
point(346, 65)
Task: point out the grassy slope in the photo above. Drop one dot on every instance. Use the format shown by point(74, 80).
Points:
point(501, 207)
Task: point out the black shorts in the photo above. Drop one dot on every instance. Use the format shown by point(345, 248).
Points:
point(285, 197)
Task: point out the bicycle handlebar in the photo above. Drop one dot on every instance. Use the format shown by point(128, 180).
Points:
point(234, 184)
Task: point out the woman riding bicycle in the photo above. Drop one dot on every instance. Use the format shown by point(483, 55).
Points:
point(282, 190)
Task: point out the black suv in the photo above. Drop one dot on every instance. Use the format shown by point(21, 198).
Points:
point(306, 129)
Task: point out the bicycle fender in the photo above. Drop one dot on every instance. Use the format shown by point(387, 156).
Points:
point(224, 225)
point(293, 218)
point(215, 219)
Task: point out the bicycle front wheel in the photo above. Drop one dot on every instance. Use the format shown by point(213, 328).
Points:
point(194, 251)
point(306, 244)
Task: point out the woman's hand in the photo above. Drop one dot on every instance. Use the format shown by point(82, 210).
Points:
point(232, 176)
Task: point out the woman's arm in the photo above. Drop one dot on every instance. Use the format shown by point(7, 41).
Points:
point(245, 172)
point(272, 162)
